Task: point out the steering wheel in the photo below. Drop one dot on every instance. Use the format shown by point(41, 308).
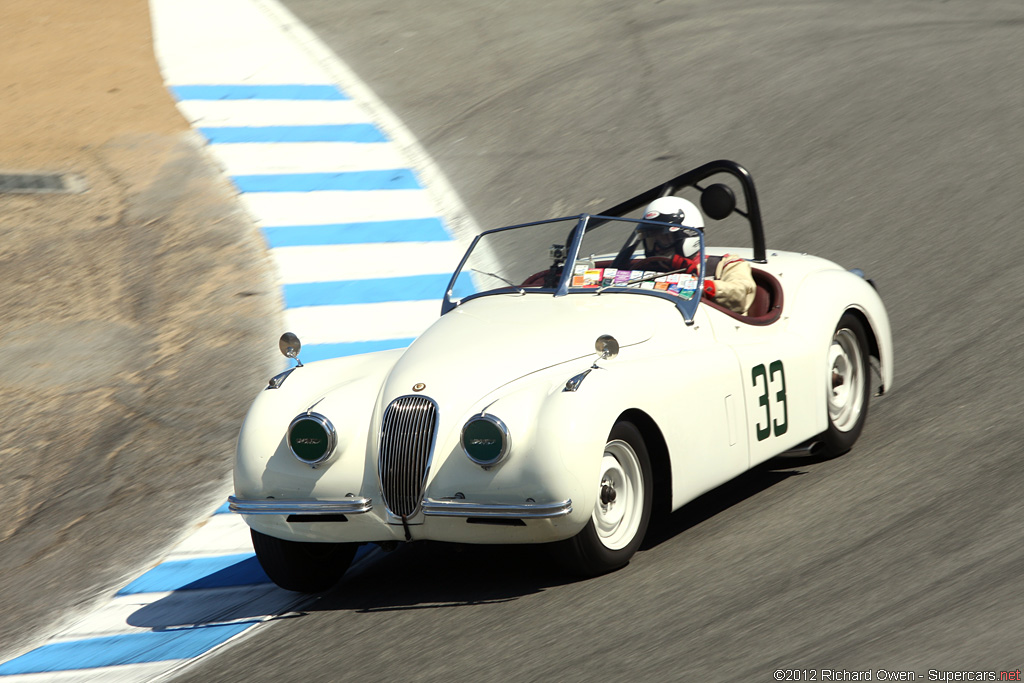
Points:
point(537, 279)
point(625, 254)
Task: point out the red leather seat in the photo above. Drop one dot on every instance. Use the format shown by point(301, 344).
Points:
point(767, 305)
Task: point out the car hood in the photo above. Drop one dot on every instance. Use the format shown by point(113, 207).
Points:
point(488, 342)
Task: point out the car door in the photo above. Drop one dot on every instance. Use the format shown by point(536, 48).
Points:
point(777, 373)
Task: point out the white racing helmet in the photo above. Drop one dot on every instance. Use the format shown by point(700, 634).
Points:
point(668, 240)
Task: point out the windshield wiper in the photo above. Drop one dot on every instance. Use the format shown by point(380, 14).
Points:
point(511, 284)
point(652, 276)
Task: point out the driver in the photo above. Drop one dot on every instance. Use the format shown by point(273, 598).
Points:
point(733, 283)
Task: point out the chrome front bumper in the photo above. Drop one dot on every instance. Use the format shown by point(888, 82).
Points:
point(431, 508)
point(270, 506)
point(460, 508)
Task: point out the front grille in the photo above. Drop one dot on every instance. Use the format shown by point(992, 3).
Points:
point(406, 444)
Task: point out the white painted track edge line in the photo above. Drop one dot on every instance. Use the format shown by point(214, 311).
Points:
point(212, 113)
point(461, 224)
point(307, 157)
point(294, 608)
point(178, 665)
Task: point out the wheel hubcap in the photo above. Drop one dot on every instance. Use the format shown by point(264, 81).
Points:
point(620, 506)
point(607, 493)
point(846, 390)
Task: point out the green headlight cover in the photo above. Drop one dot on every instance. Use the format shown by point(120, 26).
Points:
point(309, 440)
point(483, 441)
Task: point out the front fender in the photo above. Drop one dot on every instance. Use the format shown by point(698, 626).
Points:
point(346, 390)
point(557, 442)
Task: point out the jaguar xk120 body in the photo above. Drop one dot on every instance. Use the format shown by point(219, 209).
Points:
point(558, 399)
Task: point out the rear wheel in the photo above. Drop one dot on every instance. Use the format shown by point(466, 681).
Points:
point(623, 509)
point(849, 386)
point(300, 566)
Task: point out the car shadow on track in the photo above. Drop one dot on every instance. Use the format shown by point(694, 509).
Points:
point(665, 527)
point(434, 575)
point(426, 574)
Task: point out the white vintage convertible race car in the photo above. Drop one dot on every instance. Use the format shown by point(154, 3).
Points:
point(572, 385)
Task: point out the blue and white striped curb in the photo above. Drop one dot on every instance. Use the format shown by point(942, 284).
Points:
point(208, 590)
point(363, 253)
point(358, 219)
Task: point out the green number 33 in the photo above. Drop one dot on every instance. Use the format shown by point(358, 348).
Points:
point(768, 377)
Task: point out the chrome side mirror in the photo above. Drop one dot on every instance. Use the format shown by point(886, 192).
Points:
point(290, 345)
point(607, 346)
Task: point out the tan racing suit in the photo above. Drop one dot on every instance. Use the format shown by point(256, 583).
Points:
point(733, 286)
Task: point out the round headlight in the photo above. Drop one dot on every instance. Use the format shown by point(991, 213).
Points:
point(486, 440)
point(311, 438)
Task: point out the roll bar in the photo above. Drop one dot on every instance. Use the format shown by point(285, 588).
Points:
point(717, 200)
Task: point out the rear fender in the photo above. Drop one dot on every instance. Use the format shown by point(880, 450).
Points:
point(821, 300)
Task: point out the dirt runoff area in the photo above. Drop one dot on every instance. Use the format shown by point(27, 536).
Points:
point(138, 318)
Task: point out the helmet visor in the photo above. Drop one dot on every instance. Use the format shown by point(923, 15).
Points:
point(658, 240)
point(663, 238)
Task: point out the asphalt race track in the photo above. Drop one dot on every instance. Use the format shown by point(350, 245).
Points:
point(882, 135)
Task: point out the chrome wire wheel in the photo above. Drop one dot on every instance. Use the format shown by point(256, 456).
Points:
point(620, 505)
point(846, 380)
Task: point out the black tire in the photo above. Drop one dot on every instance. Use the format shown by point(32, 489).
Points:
point(849, 387)
point(302, 567)
point(605, 545)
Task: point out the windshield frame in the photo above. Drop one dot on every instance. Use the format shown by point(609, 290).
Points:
point(584, 222)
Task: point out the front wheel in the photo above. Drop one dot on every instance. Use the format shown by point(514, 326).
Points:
point(622, 511)
point(849, 386)
point(301, 566)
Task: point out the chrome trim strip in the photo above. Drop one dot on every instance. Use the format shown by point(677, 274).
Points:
point(575, 381)
point(271, 506)
point(460, 508)
point(278, 379)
